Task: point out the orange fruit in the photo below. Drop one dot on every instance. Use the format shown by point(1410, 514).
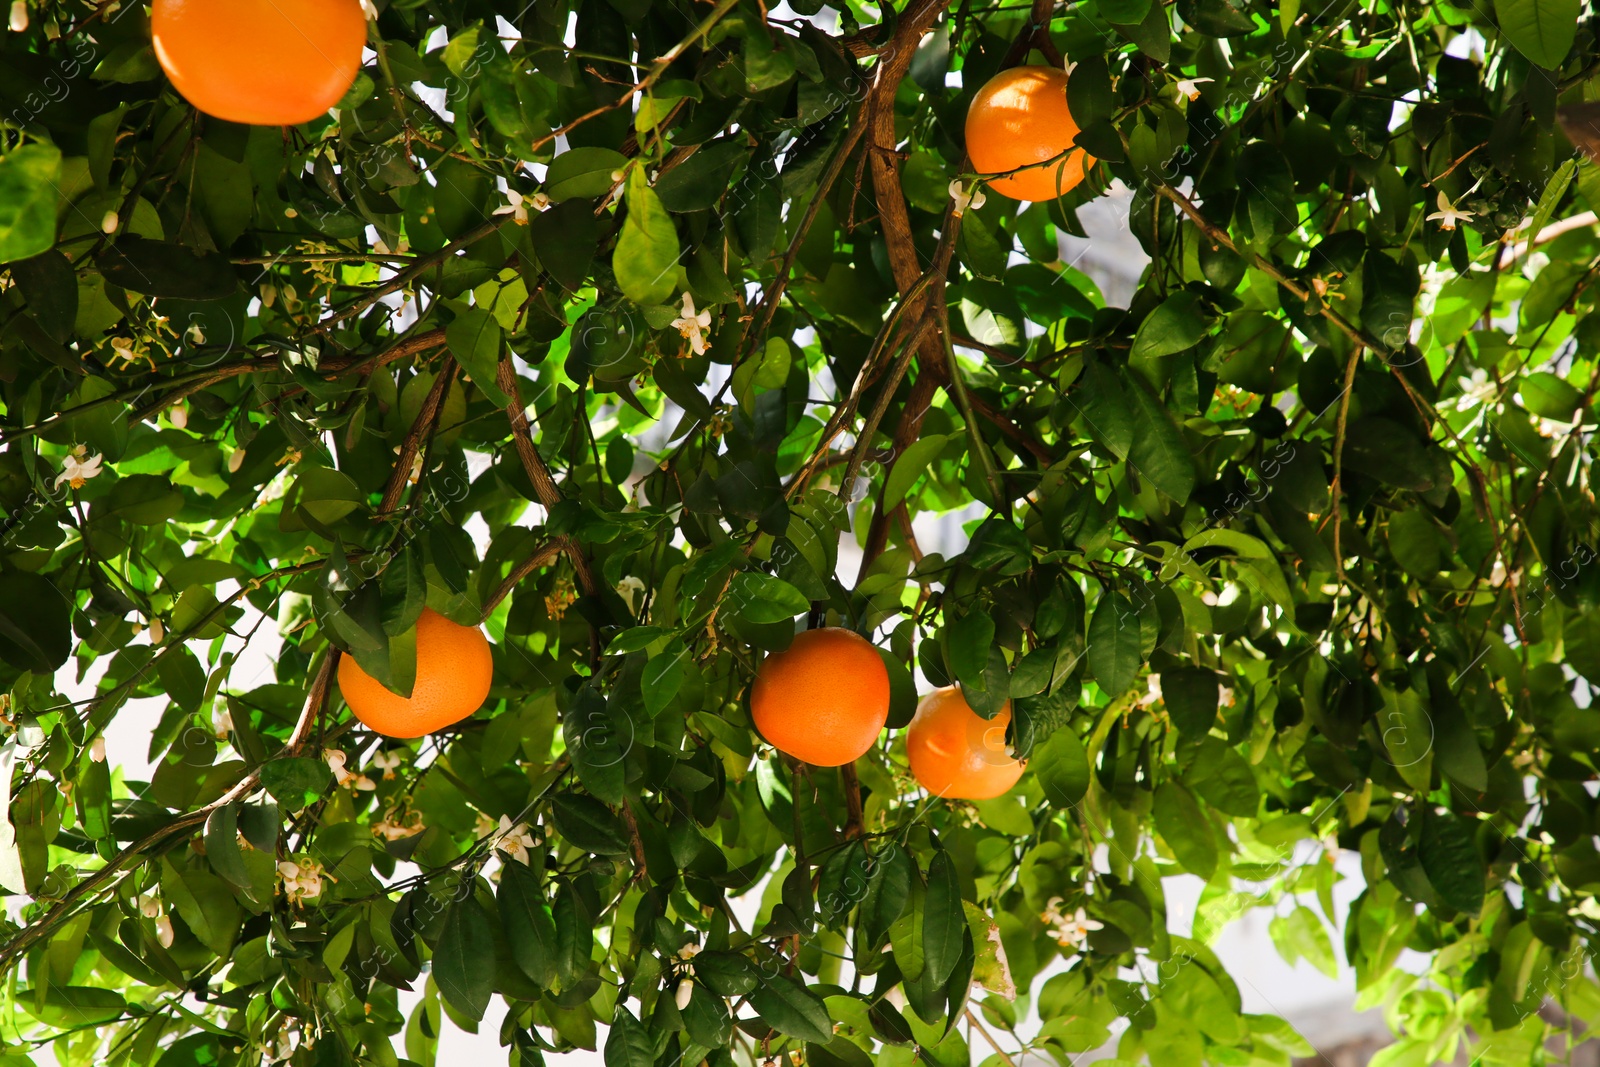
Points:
point(263, 62)
point(453, 672)
point(1020, 117)
point(957, 753)
point(824, 699)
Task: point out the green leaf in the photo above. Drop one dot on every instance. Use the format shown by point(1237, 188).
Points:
point(1115, 651)
point(628, 1044)
point(527, 922)
point(1407, 732)
point(295, 781)
point(72, 1006)
point(1179, 322)
point(1104, 406)
point(466, 943)
point(475, 340)
point(1191, 695)
point(1542, 30)
point(598, 742)
point(35, 623)
point(790, 1008)
point(583, 172)
point(1549, 396)
point(1414, 540)
point(1451, 861)
point(158, 268)
point(909, 465)
point(646, 260)
point(944, 924)
point(1062, 766)
point(222, 845)
point(1159, 451)
point(761, 598)
point(1301, 935)
point(29, 178)
point(970, 639)
point(1185, 829)
point(589, 824)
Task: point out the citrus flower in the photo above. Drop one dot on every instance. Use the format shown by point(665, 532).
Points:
point(151, 908)
point(302, 880)
point(1448, 214)
point(629, 588)
point(685, 991)
point(19, 16)
point(1153, 691)
point(76, 470)
point(517, 205)
point(1190, 86)
point(346, 778)
point(1069, 931)
point(965, 197)
point(97, 750)
point(387, 762)
point(393, 828)
point(515, 840)
point(693, 325)
point(222, 722)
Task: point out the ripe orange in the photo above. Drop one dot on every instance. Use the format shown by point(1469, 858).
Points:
point(957, 753)
point(263, 62)
point(453, 671)
point(1020, 117)
point(824, 699)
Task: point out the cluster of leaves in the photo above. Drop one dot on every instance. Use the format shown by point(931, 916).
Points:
point(1294, 554)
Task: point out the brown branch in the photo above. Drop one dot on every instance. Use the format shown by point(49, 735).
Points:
point(852, 800)
point(544, 484)
point(1010, 428)
point(542, 557)
point(426, 422)
point(641, 868)
point(1336, 489)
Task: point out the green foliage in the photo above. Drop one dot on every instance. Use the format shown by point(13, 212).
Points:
point(602, 324)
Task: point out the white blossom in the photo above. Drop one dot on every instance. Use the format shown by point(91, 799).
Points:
point(387, 762)
point(1069, 931)
point(517, 205)
point(685, 991)
point(19, 16)
point(1190, 87)
point(97, 750)
point(1448, 214)
point(344, 777)
point(158, 632)
point(178, 416)
point(693, 325)
point(164, 931)
point(222, 722)
point(629, 588)
point(393, 828)
point(515, 840)
point(302, 880)
point(966, 197)
point(76, 470)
